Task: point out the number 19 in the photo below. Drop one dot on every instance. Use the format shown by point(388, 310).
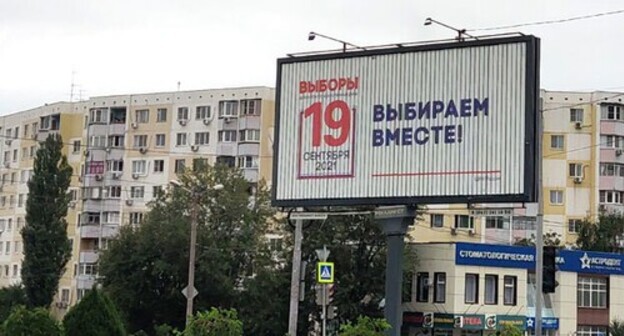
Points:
point(342, 123)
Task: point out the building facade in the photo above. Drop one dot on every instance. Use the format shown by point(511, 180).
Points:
point(583, 175)
point(476, 289)
point(124, 150)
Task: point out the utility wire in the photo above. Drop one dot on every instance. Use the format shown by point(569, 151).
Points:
point(548, 22)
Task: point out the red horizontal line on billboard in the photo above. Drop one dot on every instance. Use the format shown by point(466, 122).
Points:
point(468, 172)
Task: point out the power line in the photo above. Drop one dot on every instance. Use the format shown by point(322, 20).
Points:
point(548, 22)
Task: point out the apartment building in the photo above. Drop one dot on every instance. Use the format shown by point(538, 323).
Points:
point(583, 174)
point(124, 150)
point(476, 289)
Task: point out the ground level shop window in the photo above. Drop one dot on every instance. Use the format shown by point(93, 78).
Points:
point(591, 331)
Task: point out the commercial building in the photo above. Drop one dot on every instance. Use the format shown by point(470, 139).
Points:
point(476, 289)
point(124, 149)
point(583, 174)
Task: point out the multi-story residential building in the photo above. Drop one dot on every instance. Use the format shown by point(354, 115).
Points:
point(583, 174)
point(476, 289)
point(124, 149)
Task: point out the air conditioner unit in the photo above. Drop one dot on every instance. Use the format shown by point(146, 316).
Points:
point(182, 122)
point(129, 202)
point(227, 119)
point(578, 179)
point(116, 176)
point(618, 152)
point(453, 231)
point(98, 177)
point(135, 125)
point(108, 149)
point(471, 232)
point(578, 125)
point(135, 176)
point(194, 148)
point(207, 121)
point(143, 150)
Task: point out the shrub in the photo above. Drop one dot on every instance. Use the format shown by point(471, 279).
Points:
point(35, 322)
point(94, 315)
point(215, 323)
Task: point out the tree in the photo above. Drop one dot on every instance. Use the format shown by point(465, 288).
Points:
point(46, 245)
point(605, 235)
point(616, 328)
point(36, 322)
point(145, 269)
point(94, 315)
point(550, 239)
point(365, 326)
point(510, 330)
point(11, 297)
point(215, 323)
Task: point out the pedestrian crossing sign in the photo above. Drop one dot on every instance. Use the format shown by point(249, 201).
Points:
point(325, 272)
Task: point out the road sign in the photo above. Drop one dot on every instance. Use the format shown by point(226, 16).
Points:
point(325, 272)
point(194, 292)
point(322, 254)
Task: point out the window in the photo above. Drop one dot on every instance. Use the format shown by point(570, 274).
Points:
point(65, 295)
point(1, 246)
point(75, 148)
point(439, 291)
point(611, 112)
point(136, 218)
point(180, 166)
point(556, 141)
point(491, 289)
point(116, 141)
point(183, 113)
point(159, 166)
point(592, 292)
point(16, 134)
point(422, 289)
point(15, 271)
point(15, 155)
point(161, 115)
point(87, 269)
point(248, 161)
point(202, 112)
point(227, 136)
point(115, 165)
point(110, 217)
point(202, 138)
point(199, 164)
point(250, 106)
point(95, 116)
point(32, 151)
point(139, 167)
point(556, 197)
point(437, 220)
point(9, 225)
point(92, 218)
point(181, 139)
point(13, 178)
point(142, 116)
point(160, 140)
point(228, 108)
point(574, 225)
point(576, 115)
point(95, 167)
point(471, 294)
point(228, 161)
point(496, 223)
point(250, 135)
point(576, 170)
point(510, 291)
point(26, 130)
point(157, 191)
point(611, 141)
point(137, 192)
point(25, 152)
point(464, 222)
point(20, 200)
point(140, 141)
point(7, 249)
point(114, 192)
point(612, 197)
point(591, 331)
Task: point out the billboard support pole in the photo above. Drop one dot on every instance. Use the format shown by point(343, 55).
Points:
point(539, 241)
point(394, 222)
point(295, 281)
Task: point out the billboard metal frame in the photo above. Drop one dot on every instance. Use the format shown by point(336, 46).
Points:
point(532, 119)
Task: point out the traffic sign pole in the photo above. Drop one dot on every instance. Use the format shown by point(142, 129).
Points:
point(324, 320)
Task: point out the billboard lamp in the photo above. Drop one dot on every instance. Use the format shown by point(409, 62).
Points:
point(460, 32)
point(313, 35)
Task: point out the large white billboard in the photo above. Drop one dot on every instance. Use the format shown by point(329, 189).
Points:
point(442, 123)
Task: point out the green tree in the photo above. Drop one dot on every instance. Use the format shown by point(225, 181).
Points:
point(604, 235)
point(365, 326)
point(616, 328)
point(550, 239)
point(215, 323)
point(510, 330)
point(46, 245)
point(11, 297)
point(94, 315)
point(35, 322)
point(145, 269)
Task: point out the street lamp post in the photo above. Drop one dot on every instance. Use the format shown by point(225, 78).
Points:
point(195, 203)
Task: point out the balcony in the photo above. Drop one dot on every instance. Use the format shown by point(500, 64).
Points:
point(226, 148)
point(95, 231)
point(249, 148)
point(85, 281)
point(90, 257)
point(251, 174)
point(612, 208)
point(249, 122)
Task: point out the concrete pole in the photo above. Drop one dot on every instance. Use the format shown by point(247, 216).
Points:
point(294, 280)
point(324, 312)
point(394, 222)
point(539, 241)
point(190, 288)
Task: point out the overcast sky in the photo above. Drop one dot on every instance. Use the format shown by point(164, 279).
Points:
point(138, 46)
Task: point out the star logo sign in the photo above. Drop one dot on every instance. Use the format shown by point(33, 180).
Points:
point(585, 261)
point(530, 322)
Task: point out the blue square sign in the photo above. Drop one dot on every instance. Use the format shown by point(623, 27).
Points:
point(325, 272)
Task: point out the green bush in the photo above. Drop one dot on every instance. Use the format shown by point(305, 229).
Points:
point(36, 322)
point(365, 326)
point(215, 323)
point(94, 315)
point(11, 297)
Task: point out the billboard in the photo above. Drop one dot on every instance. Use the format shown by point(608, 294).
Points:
point(438, 123)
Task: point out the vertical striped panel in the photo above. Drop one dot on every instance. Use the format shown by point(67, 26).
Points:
point(488, 161)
